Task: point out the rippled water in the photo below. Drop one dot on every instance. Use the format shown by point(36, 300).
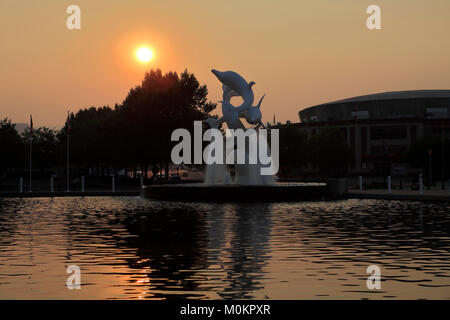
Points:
point(132, 248)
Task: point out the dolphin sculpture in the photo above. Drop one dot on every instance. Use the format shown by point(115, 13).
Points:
point(254, 115)
point(228, 93)
point(230, 113)
point(234, 82)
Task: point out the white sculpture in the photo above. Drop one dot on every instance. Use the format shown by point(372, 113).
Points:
point(234, 82)
point(254, 114)
point(235, 85)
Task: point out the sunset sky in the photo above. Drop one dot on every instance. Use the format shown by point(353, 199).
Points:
point(299, 53)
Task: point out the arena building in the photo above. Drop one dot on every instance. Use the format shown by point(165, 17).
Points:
point(380, 128)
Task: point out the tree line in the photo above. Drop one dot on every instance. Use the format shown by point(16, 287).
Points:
point(134, 134)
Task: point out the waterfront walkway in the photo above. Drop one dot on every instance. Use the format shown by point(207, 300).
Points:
point(435, 195)
point(44, 194)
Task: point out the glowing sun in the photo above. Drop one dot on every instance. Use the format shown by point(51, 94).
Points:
point(144, 54)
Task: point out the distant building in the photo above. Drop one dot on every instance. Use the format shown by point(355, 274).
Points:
point(380, 128)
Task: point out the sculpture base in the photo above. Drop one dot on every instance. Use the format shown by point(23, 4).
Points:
point(239, 193)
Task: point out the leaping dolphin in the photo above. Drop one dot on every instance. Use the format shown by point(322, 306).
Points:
point(254, 114)
point(230, 113)
point(234, 82)
point(228, 93)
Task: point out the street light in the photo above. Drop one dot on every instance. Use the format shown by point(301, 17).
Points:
point(443, 157)
point(430, 153)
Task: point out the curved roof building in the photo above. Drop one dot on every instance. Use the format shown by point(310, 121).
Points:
point(380, 128)
point(423, 104)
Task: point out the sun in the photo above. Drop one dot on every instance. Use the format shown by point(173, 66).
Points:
point(144, 54)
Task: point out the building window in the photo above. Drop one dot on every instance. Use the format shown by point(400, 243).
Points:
point(362, 114)
point(385, 150)
point(433, 113)
point(398, 150)
point(387, 132)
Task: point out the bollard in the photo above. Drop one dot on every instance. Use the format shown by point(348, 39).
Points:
point(389, 185)
point(420, 184)
point(449, 186)
point(113, 184)
point(142, 182)
point(52, 186)
point(82, 184)
point(21, 185)
point(360, 184)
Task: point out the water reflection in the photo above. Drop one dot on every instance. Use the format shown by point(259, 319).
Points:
point(135, 248)
point(177, 245)
point(171, 246)
point(248, 250)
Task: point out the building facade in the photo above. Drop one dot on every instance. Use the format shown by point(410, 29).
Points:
point(380, 128)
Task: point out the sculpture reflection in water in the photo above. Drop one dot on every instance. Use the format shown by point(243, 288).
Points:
point(184, 247)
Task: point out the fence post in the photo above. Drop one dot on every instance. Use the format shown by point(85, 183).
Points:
point(389, 185)
point(114, 184)
point(21, 185)
point(420, 184)
point(82, 184)
point(360, 184)
point(52, 186)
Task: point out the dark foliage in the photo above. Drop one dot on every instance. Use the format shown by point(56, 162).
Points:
point(134, 133)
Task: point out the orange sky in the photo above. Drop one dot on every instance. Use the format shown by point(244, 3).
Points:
point(299, 53)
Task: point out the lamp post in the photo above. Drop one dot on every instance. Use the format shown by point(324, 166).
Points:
point(443, 158)
point(357, 148)
point(430, 154)
point(420, 184)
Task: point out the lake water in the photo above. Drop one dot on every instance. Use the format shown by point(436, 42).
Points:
point(132, 248)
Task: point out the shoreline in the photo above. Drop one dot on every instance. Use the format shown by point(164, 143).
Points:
point(399, 195)
point(372, 194)
point(45, 194)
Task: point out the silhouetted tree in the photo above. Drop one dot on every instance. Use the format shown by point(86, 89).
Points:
point(92, 139)
point(153, 110)
point(11, 146)
point(134, 133)
point(44, 147)
point(137, 132)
